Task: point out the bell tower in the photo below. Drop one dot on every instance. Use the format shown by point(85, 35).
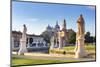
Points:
point(57, 27)
point(64, 27)
point(64, 30)
point(64, 24)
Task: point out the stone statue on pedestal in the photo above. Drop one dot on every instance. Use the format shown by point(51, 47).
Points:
point(61, 35)
point(79, 50)
point(52, 42)
point(23, 48)
point(60, 42)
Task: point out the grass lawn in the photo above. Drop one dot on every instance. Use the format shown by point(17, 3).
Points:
point(90, 49)
point(87, 47)
point(22, 61)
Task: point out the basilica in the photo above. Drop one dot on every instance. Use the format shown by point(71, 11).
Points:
point(59, 35)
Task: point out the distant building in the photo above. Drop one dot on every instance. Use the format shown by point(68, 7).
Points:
point(16, 36)
point(34, 42)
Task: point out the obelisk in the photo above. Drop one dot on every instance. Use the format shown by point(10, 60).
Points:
point(80, 50)
point(23, 48)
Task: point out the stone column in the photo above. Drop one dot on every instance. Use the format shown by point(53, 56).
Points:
point(23, 48)
point(44, 44)
point(80, 50)
point(37, 43)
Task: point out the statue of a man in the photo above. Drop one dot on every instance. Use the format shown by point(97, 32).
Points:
point(52, 42)
point(79, 50)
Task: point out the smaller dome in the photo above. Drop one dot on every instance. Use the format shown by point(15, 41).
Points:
point(49, 27)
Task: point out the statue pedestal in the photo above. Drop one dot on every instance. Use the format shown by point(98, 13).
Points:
point(80, 51)
point(23, 48)
point(60, 42)
point(51, 47)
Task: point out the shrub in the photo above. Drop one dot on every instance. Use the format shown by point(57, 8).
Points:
point(58, 51)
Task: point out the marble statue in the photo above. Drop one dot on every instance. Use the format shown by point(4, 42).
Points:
point(23, 48)
point(52, 42)
point(79, 49)
point(61, 35)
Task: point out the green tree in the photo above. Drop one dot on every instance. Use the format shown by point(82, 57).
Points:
point(94, 39)
point(72, 38)
point(88, 38)
point(47, 36)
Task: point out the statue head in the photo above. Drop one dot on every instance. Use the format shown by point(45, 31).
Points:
point(80, 19)
point(24, 29)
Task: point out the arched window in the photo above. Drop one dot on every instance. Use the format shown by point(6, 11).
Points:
point(16, 44)
point(30, 40)
point(27, 41)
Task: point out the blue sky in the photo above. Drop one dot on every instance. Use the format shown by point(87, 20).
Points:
point(37, 16)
